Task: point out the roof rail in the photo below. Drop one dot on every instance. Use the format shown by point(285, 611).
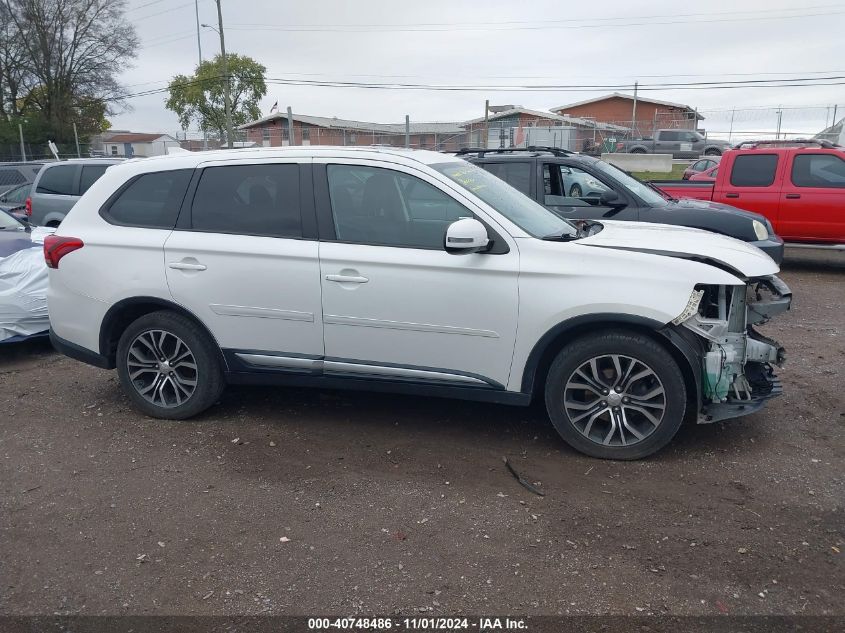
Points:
point(787, 143)
point(555, 151)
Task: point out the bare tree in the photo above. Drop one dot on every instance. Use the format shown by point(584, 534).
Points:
point(71, 52)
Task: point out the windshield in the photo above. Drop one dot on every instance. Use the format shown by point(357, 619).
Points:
point(8, 222)
point(640, 189)
point(531, 217)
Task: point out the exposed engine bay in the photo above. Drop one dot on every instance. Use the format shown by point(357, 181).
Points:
point(737, 374)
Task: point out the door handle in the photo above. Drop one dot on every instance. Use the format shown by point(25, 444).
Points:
point(732, 195)
point(186, 266)
point(347, 279)
point(793, 196)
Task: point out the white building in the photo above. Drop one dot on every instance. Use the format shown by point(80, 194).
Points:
point(135, 145)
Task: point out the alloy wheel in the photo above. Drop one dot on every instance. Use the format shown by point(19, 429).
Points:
point(615, 400)
point(162, 368)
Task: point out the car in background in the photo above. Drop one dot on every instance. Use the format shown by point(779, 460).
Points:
point(544, 174)
point(678, 143)
point(799, 185)
point(14, 200)
point(700, 166)
point(59, 185)
point(579, 184)
point(706, 176)
point(15, 174)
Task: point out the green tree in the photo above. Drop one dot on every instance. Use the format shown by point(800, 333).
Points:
point(199, 98)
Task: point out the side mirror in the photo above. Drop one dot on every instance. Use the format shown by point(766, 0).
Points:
point(465, 236)
point(610, 198)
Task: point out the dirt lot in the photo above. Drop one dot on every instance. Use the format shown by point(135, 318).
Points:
point(301, 502)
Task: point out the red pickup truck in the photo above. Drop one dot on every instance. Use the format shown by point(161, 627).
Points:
point(798, 185)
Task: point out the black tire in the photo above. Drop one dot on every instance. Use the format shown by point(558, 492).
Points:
point(665, 374)
point(575, 191)
point(53, 224)
point(638, 150)
point(713, 152)
point(207, 373)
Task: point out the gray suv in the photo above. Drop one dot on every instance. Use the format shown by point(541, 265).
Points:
point(59, 185)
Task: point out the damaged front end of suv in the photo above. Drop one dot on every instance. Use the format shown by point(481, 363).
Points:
point(737, 375)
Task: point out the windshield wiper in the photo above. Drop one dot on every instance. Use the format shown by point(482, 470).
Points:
point(563, 237)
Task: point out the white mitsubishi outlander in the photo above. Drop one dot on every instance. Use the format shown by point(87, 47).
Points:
point(412, 271)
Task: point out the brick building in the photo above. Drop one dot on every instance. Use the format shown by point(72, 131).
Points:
point(618, 108)
point(272, 131)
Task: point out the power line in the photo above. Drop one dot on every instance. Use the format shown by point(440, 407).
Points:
point(450, 25)
point(480, 27)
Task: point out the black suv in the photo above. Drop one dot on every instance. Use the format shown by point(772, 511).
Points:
point(579, 187)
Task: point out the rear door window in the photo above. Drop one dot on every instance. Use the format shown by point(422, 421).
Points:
point(818, 170)
point(90, 173)
point(249, 200)
point(58, 181)
point(151, 200)
point(754, 170)
point(516, 174)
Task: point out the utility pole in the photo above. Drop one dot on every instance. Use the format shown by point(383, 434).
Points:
point(634, 112)
point(226, 86)
point(731, 130)
point(290, 126)
point(23, 149)
point(485, 140)
point(407, 131)
point(76, 137)
point(780, 117)
point(199, 63)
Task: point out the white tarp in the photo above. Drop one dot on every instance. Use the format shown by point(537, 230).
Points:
point(23, 291)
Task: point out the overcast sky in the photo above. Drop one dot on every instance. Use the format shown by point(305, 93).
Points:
point(503, 43)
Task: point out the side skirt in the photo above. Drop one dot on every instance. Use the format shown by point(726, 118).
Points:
point(256, 368)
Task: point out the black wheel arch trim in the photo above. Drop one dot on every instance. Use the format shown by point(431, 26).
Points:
point(683, 345)
point(109, 351)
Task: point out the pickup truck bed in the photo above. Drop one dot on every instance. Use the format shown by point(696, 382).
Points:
point(801, 190)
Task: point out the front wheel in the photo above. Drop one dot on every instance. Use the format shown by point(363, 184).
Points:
point(712, 152)
point(168, 366)
point(575, 191)
point(615, 395)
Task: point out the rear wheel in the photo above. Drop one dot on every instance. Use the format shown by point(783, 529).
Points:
point(615, 395)
point(53, 225)
point(638, 150)
point(712, 152)
point(168, 366)
point(575, 191)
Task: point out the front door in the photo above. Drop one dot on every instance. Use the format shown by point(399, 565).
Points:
point(396, 305)
point(244, 260)
point(575, 194)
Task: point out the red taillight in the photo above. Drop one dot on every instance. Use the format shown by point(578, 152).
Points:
point(56, 247)
point(28, 206)
point(620, 147)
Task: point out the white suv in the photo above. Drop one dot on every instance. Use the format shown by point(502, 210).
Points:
point(412, 271)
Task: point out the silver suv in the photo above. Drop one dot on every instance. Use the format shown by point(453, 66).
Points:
point(59, 185)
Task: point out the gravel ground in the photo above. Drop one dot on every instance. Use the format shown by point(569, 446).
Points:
point(291, 501)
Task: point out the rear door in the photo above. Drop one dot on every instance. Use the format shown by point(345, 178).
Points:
point(244, 260)
point(812, 203)
point(753, 183)
point(667, 142)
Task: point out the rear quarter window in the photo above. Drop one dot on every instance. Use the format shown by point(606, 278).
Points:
point(151, 200)
point(754, 170)
point(10, 178)
point(57, 181)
